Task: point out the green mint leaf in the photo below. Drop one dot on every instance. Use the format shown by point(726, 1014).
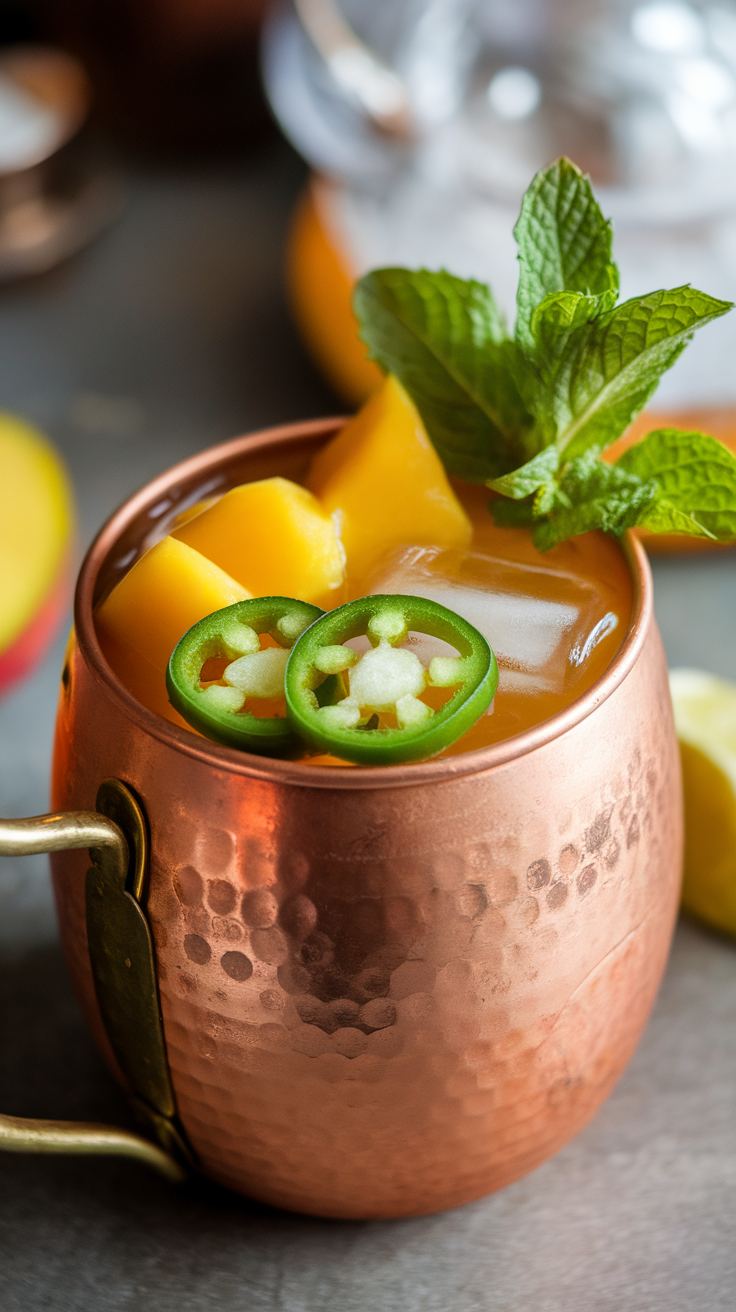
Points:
point(662, 517)
point(564, 242)
point(445, 339)
point(528, 478)
point(591, 495)
point(559, 326)
point(695, 478)
point(556, 317)
point(596, 373)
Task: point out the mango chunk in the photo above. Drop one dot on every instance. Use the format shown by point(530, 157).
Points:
point(273, 537)
point(383, 482)
point(150, 609)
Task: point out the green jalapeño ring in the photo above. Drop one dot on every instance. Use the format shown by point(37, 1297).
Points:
point(217, 707)
point(388, 680)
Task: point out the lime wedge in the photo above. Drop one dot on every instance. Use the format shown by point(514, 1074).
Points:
point(705, 719)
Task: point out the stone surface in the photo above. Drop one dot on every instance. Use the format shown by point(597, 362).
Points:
point(168, 334)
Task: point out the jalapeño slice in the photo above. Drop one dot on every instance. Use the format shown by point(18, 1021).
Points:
point(228, 642)
point(382, 719)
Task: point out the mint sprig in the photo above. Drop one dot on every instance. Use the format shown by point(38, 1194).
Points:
point(529, 414)
point(564, 242)
point(595, 377)
point(695, 480)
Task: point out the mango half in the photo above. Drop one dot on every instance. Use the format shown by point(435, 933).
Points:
point(36, 524)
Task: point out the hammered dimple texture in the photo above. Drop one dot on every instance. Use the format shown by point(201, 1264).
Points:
point(382, 1002)
point(410, 1017)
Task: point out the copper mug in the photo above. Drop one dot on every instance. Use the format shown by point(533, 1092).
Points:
point(361, 992)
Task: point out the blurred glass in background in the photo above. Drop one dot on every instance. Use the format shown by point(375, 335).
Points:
point(425, 120)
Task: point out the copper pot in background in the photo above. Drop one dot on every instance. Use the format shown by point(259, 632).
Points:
point(384, 991)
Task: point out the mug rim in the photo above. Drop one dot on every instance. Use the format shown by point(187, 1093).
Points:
point(297, 773)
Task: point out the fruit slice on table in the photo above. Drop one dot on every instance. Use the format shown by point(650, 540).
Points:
point(35, 531)
point(167, 591)
point(275, 538)
point(705, 719)
point(384, 483)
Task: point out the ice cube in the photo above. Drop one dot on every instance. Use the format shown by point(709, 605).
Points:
point(543, 623)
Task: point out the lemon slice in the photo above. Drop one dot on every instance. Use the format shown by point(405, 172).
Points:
point(705, 719)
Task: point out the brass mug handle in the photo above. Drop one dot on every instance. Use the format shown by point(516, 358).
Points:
point(109, 851)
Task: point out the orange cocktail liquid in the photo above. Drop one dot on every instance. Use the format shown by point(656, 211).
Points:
point(584, 583)
point(598, 559)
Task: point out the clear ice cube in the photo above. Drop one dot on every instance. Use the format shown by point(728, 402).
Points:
point(543, 624)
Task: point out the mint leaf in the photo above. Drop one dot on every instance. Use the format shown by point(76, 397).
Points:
point(558, 328)
point(564, 242)
point(445, 339)
point(597, 371)
point(695, 478)
point(591, 494)
point(662, 517)
point(529, 477)
point(555, 319)
point(671, 482)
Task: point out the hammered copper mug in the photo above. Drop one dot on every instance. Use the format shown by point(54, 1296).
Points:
point(383, 991)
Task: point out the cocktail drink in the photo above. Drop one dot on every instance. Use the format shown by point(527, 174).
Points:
point(554, 620)
point(384, 990)
point(390, 979)
point(527, 416)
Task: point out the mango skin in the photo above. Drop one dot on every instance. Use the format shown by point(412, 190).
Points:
point(36, 524)
point(385, 485)
point(274, 538)
point(151, 608)
point(25, 652)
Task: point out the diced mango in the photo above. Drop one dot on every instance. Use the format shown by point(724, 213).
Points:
point(273, 537)
point(150, 609)
point(184, 516)
point(385, 485)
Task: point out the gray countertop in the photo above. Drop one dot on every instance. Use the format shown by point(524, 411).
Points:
point(171, 333)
